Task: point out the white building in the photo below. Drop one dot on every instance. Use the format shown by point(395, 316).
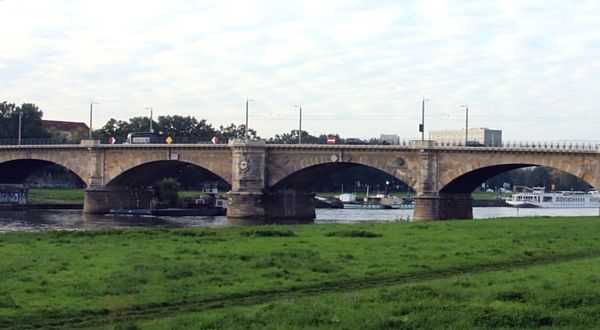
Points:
point(484, 136)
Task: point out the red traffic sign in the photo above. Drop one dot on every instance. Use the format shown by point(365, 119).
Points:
point(331, 140)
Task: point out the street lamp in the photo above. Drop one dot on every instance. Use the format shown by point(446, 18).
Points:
point(422, 126)
point(91, 109)
point(246, 127)
point(466, 106)
point(150, 108)
point(299, 125)
point(386, 187)
point(20, 119)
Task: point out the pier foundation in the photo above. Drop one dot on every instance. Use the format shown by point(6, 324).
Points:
point(443, 207)
point(103, 199)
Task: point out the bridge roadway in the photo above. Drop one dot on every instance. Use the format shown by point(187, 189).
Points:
point(272, 183)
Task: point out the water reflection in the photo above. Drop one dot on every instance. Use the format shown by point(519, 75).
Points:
point(39, 220)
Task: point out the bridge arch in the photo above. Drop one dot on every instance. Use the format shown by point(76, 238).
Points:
point(16, 171)
point(303, 178)
point(118, 164)
point(147, 173)
point(464, 179)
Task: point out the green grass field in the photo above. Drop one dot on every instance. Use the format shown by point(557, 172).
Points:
point(452, 274)
point(55, 196)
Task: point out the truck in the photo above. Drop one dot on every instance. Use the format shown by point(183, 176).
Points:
point(144, 138)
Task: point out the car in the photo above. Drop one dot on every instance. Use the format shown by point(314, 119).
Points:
point(475, 144)
point(354, 141)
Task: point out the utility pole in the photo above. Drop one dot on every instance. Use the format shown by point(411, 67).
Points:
point(20, 119)
point(300, 125)
point(246, 127)
point(423, 120)
point(91, 110)
point(466, 106)
point(150, 108)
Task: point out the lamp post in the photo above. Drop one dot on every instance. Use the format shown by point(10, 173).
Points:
point(246, 127)
point(466, 106)
point(299, 125)
point(150, 108)
point(422, 126)
point(20, 119)
point(386, 187)
point(91, 110)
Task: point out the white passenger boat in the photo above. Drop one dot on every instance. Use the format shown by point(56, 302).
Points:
point(363, 206)
point(539, 197)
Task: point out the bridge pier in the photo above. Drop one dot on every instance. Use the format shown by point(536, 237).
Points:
point(287, 207)
point(443, 207)
point(102, 199)
point(250, 202)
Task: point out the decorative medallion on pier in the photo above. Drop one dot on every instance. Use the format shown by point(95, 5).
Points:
point(400, 161)
point(243, 164)
point(334, 158)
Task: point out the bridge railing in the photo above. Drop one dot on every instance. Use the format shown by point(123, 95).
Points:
point(515, 144)
point(119, 140)
point(37, 141)
point(534, 145)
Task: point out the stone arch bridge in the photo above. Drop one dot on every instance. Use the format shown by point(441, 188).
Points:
point(272, 183)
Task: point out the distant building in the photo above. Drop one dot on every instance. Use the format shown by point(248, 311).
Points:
point(389, 138)
point(483, 136)
point(68, 130)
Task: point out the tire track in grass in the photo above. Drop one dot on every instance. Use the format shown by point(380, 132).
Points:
point(150, 311)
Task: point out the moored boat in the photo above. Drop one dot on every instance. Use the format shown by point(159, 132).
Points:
point(382, 202)
point(539, 197)
point(207, 204)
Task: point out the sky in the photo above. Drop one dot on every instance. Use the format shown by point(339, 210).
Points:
point(357, 68)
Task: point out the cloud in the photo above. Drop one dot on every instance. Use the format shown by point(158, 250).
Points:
point(359, 68)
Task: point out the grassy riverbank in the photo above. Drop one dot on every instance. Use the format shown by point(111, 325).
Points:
point(461, 274)
point(55, 196)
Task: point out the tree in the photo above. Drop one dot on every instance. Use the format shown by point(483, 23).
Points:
point(31, 121)
point(166, 191)
point(194, 177)
point(292, 137)
point(232, 131)
point(113, 128)
point(182, 128)
point(539, 176)
point(186, 127)
point(562, 180)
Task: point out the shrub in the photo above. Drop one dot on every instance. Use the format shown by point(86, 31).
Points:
point(6, 301)
point(268, 233)
point(352, 233)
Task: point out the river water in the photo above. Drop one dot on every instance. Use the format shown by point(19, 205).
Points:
point(39, 220)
